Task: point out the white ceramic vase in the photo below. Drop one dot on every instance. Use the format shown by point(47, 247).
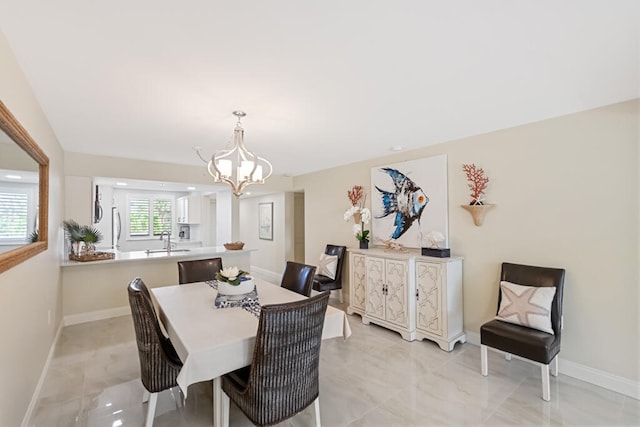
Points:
point(244, 287)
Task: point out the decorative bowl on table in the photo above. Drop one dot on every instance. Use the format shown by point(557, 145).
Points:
point(235, 246)
point(246, 285)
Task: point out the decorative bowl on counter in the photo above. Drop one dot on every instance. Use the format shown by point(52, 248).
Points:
point(235, 246)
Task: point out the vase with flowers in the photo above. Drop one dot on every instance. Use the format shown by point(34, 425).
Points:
point(233, 281)
point(361, 215)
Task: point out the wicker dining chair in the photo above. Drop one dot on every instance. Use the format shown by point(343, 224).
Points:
point(199, 270)
point(159, 362)
point(283, 377)
point(298, 277)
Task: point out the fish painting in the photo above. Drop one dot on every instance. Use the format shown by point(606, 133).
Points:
point(407, 201)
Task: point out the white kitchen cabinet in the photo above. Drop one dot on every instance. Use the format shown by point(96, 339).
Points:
point(419, 297)
point(188, 210)
point(439, 310)
point(357, 287)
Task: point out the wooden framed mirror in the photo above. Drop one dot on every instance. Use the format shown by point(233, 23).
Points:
point(31, 217)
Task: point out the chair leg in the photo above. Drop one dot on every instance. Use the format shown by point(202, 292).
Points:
point(546, 391)
point(484, 367)
point(316, 404)
point(554, 366)
point(507, 356)
point(151, 410)
point(341, 297)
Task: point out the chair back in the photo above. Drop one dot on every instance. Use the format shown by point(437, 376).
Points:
point(340, 252)
point(284, 371)
point(199, 270)
point(159, 362)
point(529, 275)
point(298, 277)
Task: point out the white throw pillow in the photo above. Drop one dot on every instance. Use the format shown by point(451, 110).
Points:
point(528, 306)
point(327, 265)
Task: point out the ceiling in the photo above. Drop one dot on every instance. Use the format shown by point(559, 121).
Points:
point(324, 83)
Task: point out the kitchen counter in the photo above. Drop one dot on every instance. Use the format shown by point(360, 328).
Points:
point(97, 290)
point(175, 255)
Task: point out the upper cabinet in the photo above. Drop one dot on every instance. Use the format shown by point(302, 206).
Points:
point(189, 210)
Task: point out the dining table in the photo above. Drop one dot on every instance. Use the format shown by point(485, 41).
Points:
point(213, 339)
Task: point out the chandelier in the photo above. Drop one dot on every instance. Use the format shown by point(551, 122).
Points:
point(237, 166)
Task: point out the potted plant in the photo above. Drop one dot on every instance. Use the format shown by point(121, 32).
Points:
point(361, 215)
point(82, 238)
point(233, 281)
point(477, 182)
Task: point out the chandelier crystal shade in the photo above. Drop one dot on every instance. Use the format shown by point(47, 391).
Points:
point(237, 166)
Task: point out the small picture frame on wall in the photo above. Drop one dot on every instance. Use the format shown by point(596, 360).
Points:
point(265, 221)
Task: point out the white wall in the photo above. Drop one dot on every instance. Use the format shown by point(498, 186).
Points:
point(566, 195)
point(30, 293)
point(271, 255)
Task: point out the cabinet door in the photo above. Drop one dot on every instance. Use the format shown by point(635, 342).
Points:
point(429, 297)
point(193, 210)
point(397, 301)
point(182, 210)
point(357, 283)
point(375, 302)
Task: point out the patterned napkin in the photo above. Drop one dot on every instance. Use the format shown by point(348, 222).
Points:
point(248, 302)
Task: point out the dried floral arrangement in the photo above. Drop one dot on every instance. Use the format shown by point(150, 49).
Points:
point(356, 194)
point(477, 183)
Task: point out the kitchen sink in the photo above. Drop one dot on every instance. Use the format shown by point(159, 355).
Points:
point(157, 251)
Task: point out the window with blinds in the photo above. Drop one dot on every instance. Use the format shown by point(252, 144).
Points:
point(18, 212)
point(14, 215)
point(149, 216)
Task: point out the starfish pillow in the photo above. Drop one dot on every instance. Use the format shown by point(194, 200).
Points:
point(528, 306)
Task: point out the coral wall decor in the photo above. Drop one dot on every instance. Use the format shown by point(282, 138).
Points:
point(477, 183)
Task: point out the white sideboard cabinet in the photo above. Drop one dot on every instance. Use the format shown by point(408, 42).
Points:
point(357, 288)
point(417, 296)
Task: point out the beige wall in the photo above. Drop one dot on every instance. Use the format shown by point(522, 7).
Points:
point(566, 195)
point(271, 255)
point(30, 293)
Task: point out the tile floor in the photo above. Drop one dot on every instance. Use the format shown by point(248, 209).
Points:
point(372, 379)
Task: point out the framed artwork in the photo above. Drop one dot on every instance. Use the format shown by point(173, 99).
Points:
point(265, 221)
point(408, 200)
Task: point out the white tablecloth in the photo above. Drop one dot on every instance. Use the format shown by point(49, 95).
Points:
point(214, 341)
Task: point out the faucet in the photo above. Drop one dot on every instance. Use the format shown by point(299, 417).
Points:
point(168, 233)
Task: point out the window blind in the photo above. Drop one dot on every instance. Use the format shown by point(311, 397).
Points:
point(13, 215)
point(139, 217)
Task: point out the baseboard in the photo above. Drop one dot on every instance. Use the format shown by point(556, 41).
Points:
point(75, 319)
point(600, 378)
point(585, 373)
point(43, 375)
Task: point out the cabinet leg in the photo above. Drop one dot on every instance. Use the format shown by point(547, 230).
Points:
point(408, 336)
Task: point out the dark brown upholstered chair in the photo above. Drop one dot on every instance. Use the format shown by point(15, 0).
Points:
point(283, 377)
point(323, 283)
point(528, 343)
point(159, 362)
point(298, 277)
point(199, 270)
